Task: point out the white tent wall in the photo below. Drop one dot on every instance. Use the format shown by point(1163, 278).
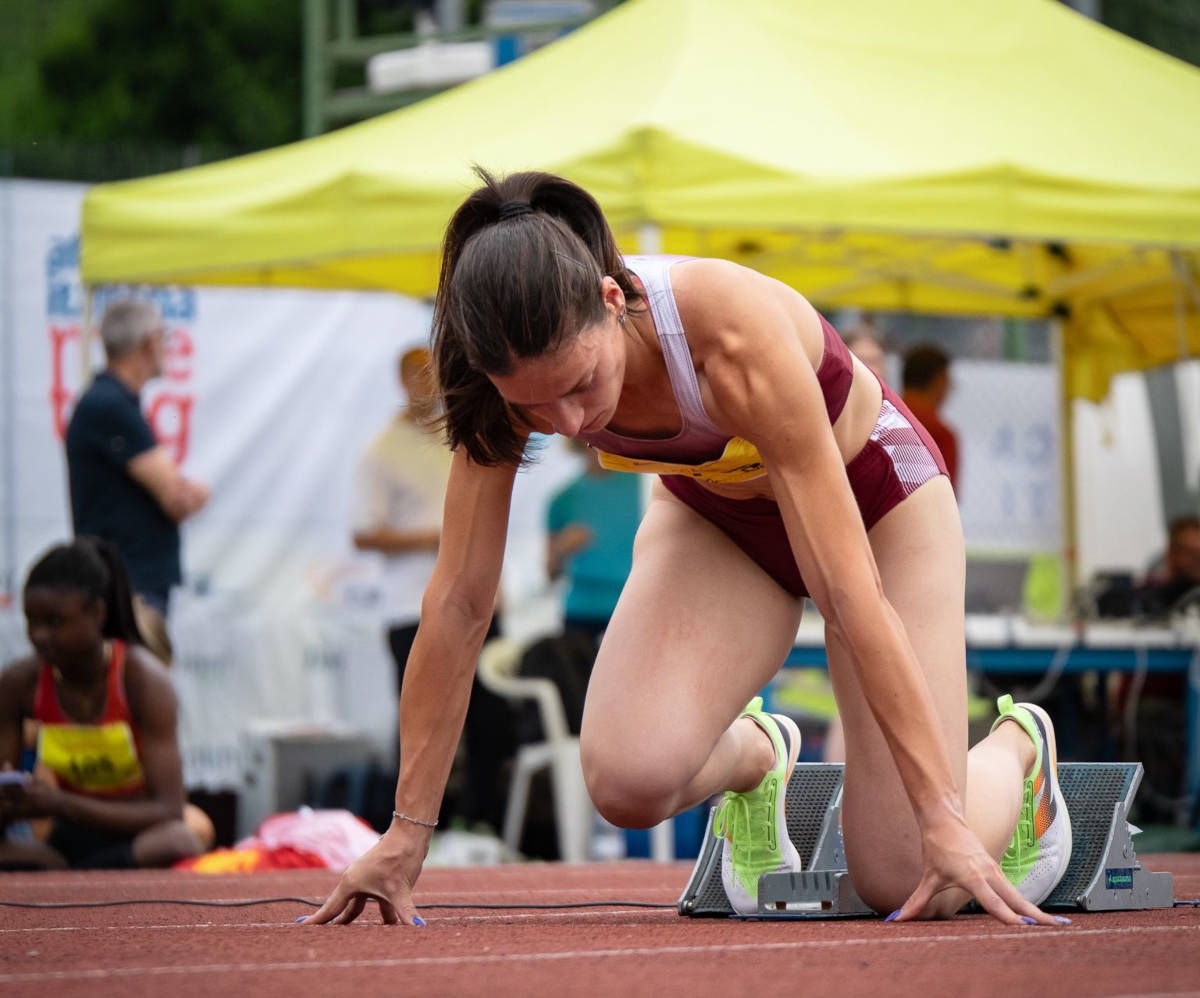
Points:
point(1137, 467)
point(37, 219)
point(1119, 507)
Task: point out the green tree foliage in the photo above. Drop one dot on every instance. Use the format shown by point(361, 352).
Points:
point(196, 72)
point(1172, 26)
point(24, 26)
point(107, 89)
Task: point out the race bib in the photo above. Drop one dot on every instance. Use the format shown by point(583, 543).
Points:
point(98, 759)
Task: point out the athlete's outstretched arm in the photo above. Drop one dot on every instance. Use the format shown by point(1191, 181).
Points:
point(455, 614)
point(762, 386)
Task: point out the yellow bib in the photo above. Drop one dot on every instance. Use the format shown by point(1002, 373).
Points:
point(739, 462)
point(98, 759)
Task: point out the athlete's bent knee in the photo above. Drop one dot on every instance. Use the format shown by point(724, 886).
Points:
point(166, 844)
point(627, 791)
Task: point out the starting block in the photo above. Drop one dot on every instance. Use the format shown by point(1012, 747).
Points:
point(1103, 875)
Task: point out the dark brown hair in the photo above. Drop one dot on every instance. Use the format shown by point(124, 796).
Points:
point(922, 364)
point(94, 567)
point(522, 264)
point(1181, 525)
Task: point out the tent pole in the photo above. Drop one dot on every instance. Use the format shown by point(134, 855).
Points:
point(8, 352)
point(1069, 531)
point(1185, 288)
point(649, 239)
point(85, 337)
point(314, 67)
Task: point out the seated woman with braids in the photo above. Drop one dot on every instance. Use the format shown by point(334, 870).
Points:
point(107, 771)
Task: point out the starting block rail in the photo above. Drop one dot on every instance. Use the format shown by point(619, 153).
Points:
point(1104, 873)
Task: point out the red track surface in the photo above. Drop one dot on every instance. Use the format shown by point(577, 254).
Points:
point(259, 951)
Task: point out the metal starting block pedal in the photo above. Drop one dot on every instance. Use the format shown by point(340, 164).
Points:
point(1103, 875)
point(821, 890)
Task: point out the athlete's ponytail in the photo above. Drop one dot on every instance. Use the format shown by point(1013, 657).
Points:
point(95, 567)
point(522, 264)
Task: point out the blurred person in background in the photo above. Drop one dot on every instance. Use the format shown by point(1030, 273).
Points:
point(590, 526)
point(925, 385)
point(864, 343)
point(1177, 578)
point(400, 491)
point(125, 486)
point(107, 768)
point(591, 523)
point(1150, 710)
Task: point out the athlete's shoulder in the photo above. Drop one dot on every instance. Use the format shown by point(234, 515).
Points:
point(147, 682)
point(726, 286)
point(720, 299)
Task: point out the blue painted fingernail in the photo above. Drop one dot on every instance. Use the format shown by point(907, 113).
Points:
point(1028, 921)
point(301, 918)
point(418, 920)
point(892, 917)
point(1062, 920)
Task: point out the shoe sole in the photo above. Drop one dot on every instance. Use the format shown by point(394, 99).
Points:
point(1060, 803)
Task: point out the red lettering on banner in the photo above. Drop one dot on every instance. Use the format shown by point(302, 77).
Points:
point(177, 355)
point(170, 417)
point(169, 413)
point(61, 396)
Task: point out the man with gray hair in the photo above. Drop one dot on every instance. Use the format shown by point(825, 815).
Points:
point(124, 484)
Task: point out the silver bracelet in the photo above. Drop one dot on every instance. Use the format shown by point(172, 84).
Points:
point(415, 821)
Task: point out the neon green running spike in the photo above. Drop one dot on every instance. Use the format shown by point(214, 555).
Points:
point(1040, 850)
point(754, 824)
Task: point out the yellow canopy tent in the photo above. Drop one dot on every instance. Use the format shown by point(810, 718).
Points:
point(935, 155)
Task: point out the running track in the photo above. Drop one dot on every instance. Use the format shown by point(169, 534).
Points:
point(259, 952)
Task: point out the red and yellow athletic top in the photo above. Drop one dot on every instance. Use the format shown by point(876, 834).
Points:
point(101, 759)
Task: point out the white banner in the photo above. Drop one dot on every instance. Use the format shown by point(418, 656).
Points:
point(269, 396)
point(1118, 482)
point(1006, 417)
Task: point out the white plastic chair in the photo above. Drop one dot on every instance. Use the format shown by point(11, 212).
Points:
point(559, 752)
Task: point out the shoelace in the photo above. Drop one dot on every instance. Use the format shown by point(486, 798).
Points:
point(1026, 824)
point(735, 820)
point(732, 821)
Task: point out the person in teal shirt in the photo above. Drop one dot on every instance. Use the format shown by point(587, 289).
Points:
point(591, 524)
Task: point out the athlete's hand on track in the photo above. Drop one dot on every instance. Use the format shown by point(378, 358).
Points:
point(386, 873)
point(954, 857)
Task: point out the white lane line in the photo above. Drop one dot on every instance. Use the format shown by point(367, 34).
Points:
point(591, 913)
point(1159, 994)
point(1021, 934)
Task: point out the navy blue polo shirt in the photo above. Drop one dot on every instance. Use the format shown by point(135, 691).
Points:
point(106, 431)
